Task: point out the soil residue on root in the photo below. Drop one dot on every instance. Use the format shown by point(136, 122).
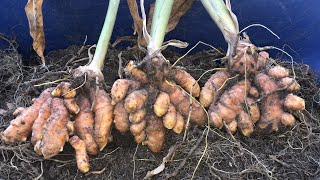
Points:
point(291, 154)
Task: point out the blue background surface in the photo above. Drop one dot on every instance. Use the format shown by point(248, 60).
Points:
point(66, 22)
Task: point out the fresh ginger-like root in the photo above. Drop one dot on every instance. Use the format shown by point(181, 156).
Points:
point(271, 112)
point(103, 111)
point(181, 101)
point(254, 92)
point(55, 133)
point(136, 73)
point(266, 84)
point(37, 127)
point(121, 88)
point(70, 127)
point(64, 89)
point(197, 115)
point(216, 120)
point(290, 84)
point(161, 105)
point(232, 126)
point(139, 138)
point(157, 103)
point(137, 128)
point(121, 118)
point(256, 99)
point(179, 126)
point(170, 118)
point(272, 105)
point(287, 119)
point(271, 108)
point(18, 111)
point(20, 127)
point(254, 110)
point(278, 72)
point(186, 81)
point(230, 103)
point(208, 92)
point(243, 64)
point(57, 91)
point(82, 157)
point(293, 102)
point(155, 134)
point(135, 100)
point(138, 116)
point(71, 105)
point(245, 124)
point(224, 112)
point(84, 123)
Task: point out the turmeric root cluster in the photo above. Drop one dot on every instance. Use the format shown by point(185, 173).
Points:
point(152, 102)
point(249, 94)
point(59, 116)
point(261, 97)
point(46, 121)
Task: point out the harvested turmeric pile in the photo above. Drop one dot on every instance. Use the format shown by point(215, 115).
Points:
point(260, 98)
point(253, 91)
point(78, 110)
point(60, 113)
point(154, 99)
point(20, 127)
point(156, 96)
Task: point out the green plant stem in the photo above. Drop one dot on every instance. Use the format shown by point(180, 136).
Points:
point(160, 21)
point(225, 20)
point(103, 42)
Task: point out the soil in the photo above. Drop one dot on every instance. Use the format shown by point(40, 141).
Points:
point(207, 153)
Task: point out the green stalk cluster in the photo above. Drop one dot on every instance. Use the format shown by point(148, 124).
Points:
point(160, 21)
point(105, 35)
point(227, 22)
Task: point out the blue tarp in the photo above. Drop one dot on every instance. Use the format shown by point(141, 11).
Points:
point(67, 22)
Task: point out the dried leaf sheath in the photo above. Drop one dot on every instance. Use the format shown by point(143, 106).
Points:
point(34, 14)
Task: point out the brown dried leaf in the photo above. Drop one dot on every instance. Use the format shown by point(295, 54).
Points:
point(33, 11)
point(124, 38)
point(180, 7)
point(137, 22)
